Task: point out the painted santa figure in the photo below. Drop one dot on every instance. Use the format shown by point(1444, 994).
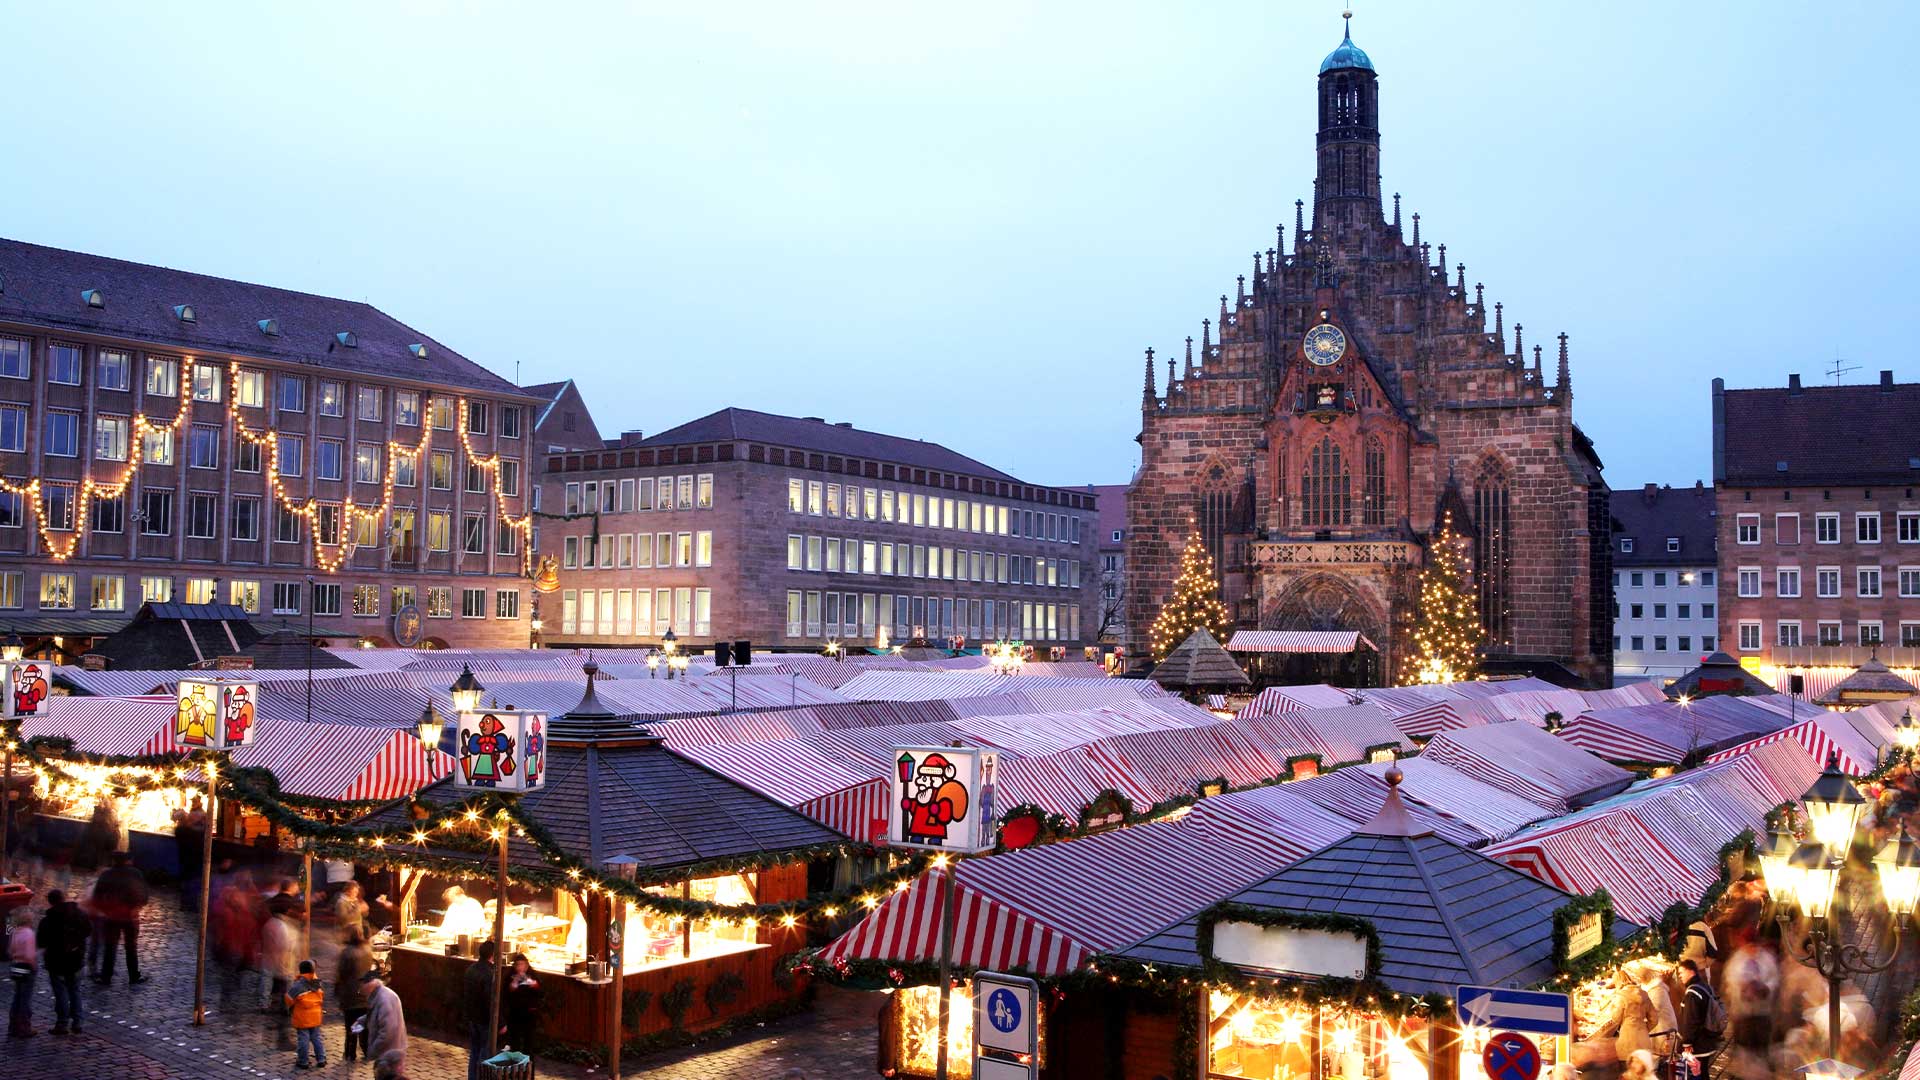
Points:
point(933, 799)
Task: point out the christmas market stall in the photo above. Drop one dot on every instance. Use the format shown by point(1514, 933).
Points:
point(1345, 964)
point(653, 896)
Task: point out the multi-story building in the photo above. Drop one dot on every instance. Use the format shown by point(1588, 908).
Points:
point(791, 532)
point(171, 436)
point(562, 420)
point(1819, 526)
point(1110, 547)
point(1664, 581)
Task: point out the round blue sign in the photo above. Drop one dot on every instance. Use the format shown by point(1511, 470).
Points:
point(1003, 1010)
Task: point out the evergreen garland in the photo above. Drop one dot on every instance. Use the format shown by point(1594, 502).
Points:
point(1194, 604)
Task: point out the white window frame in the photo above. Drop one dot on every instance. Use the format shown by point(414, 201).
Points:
point(1865, 522)
point(1745, 575)
point(1741, 524)
point(1825, 524)
point(1746, 627)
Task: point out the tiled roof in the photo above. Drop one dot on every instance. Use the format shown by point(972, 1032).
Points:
point(650, 803)
point(1446, 916)
point(1650, 515)
point(1821, 434)
point(1199, 661)
point(809, 433)
point(43, 286)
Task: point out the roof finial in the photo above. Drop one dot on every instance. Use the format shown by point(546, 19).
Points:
point(1443, 262)
point(1536, 358)
point(1256, 271)
point(1480, 298)
point(1396, 213)
point(1280, 239)
point(1347, 15)
point(1416, 228)
point(1189, 356)
point(1223, 316)
point(1461, 281)
point(1243, 288)
point(1148, 396)
point(1500, 324)
point(1206, 337)
point(1519, 347)
point(1170, 379)
point(1299, 223)
point(1565, 382)
point(1272, 261)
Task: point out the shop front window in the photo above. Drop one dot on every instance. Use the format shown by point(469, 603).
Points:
point(920, 1021)
point(654, 938)
point(1255, 1038)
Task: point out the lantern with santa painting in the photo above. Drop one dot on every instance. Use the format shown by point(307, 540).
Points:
point(943, 798)
point(502, 750)
point(215, 713)
point(28, 685)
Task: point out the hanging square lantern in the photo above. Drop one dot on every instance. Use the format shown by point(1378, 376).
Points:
point(28, 687)
point(215, 713)
point(943, 798)
point(502, 750)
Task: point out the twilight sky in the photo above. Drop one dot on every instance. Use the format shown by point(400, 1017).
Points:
point(964, 222)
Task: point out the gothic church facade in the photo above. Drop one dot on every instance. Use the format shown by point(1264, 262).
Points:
point(1350, 394)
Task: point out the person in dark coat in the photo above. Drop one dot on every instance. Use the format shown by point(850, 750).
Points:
point(189, 843)
point(64, 931)
point(1697, 1002)
point(520, 1005)
point(100, 836)
point(356, 959)
point(477, 1002)
point(121, 895)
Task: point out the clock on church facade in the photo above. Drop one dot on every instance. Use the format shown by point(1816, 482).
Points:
point(1350, 391)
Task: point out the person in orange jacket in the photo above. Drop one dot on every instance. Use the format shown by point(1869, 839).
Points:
point(305, 998)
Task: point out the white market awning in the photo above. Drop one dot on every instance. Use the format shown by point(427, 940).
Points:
point(1298, 641)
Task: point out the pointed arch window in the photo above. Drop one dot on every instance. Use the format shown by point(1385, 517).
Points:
point(1326, 489)
point(1216, 515)
point(1373, 499)
point(1493, 551)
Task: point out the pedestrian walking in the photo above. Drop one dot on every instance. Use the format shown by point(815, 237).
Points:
point(305, 1000)
point(280, 961)
point(477, 998)
point(521, 1007)
point(98, 839)
point(350, 911)
point(189, 839)
point(24, 955)
point(385, 1028)
point(120, 896)
point(356, 959)
point(64, 932)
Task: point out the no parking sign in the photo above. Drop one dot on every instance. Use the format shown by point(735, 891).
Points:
point(1509, 1056)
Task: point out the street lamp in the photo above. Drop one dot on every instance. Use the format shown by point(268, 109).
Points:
point(1812, 875)
point(430, 726)
point(11, 647)
point(1906, 733)
point(466, 690)
point(677, 662)
point(653, 662)
point(671, 642)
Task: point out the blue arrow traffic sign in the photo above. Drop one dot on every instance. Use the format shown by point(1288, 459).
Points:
point(1515, 1010)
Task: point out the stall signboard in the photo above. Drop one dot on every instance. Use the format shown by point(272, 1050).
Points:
point(502, 750)
point(215, 713)
point(1585, 935)
point(943, 798)
point(29, 683)
point(1006, 1032)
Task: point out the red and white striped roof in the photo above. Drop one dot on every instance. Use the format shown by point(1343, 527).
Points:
point(1516, 756)
point(1298, 641)
point(1819, 736)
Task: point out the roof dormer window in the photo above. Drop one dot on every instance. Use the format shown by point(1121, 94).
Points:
point(347, 340)
point(269, 327)
point(184, 312)
point(418, 350)
point(1626, 545)
point(94, 298)
point(1673, 544)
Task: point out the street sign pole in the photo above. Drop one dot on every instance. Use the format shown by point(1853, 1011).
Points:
point(1006, 1027)
point(946, 973)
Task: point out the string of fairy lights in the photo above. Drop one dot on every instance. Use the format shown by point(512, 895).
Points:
point(1447, 635)
point(1194, 605)
point(312, 509)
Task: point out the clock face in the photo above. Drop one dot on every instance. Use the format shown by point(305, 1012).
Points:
point(1324, 344)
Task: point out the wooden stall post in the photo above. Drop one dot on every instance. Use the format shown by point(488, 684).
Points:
point(946, 974)
point(206, 895)
point(616, 969)
point(306, 893)
point(1443, 1046)
point(499, 943)
point(6, 814)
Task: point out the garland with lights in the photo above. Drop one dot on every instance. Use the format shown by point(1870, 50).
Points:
point(346, 535)
point(474, 827)
point(1194, 605)
point(1569, 915)
point(1446, 632)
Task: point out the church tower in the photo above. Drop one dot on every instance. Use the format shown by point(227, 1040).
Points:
point(1346, 187)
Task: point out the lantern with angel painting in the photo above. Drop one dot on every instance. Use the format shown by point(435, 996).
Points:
point(215, 713)
point(501, 750)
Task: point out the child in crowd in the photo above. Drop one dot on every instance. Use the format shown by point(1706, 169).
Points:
point(304, 997)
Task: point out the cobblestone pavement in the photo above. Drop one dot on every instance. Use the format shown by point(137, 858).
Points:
point(145, 1032)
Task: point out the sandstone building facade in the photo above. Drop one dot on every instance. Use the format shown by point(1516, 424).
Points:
point(1351, 391)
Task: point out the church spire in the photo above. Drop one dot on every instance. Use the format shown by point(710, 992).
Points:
point(1565, 381)
point(1347, 180)
point(1148, 397)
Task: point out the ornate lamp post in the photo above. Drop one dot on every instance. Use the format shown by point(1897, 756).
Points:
point(466, 691)
point(429, 727)
point(1807, 878)
point(1906, 735)
point(653, 662)
point(11, 647)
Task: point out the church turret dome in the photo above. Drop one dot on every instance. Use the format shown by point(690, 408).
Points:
point(1347, 56)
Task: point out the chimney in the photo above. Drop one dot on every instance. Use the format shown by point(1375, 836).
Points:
point(1886, 382)
point(632, 438)
point(1793, 383)
point(1651, 492)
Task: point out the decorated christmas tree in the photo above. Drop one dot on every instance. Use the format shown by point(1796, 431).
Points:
point(1194, 605)
point(1446, 632)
